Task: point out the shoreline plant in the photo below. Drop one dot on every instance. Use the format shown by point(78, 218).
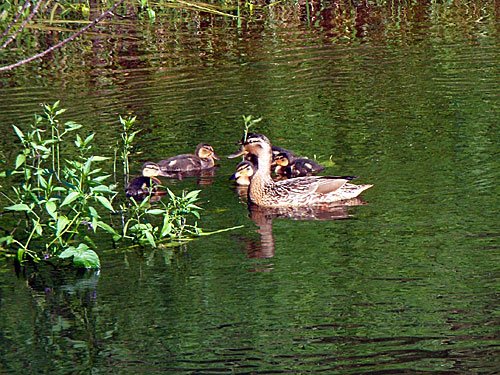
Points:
point(59, 203)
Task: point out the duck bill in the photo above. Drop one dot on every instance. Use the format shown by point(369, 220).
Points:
point(240, 152)
point(234, 176)
point(215, 156)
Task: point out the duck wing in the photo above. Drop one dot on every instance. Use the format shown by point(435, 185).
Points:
point(179, 163)
point(310, 185)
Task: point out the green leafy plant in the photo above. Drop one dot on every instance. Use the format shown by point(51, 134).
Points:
point(127, 136)
point(59, 199)
point(150, 225)
point(249, 122)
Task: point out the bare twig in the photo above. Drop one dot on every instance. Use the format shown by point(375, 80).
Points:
point(26, 4)
point(65, 41)
point(23, 25)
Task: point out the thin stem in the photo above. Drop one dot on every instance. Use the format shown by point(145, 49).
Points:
point(16, 18)
point(23, 25)
point(63, 42)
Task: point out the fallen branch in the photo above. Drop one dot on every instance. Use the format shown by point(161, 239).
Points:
point(65, 41)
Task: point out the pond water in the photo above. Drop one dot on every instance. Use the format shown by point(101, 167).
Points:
point(405, 283)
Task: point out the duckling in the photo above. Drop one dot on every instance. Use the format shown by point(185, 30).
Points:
point(291, 166)
point(142, 186)
point(203, 158)
point(244, 173)
point(296, 192)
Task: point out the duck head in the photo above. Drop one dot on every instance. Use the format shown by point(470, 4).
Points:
point(150, 169)
point(205, 151)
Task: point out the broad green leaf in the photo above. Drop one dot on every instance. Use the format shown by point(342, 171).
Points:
point(62, 223)
point(19, 207)
point(192, 194)
point(51, 208)
point(89, 139)
point(70, 198)
point(71, 125)
point(150, 238)
point(100, 158)
point(93, 212)
point(156, 211)
point(101, 178)
point(86, 166)
point(69, 252)
point(19, 133)
point(78, 141)
point(101, 189)
point(106, 227)
point(87, 259)
point(21, 158)
point(20, 254)
point(94, 171)
point(105, 202)
point(7, 240)
point(172, 195)
point(42, 181)
point(167, 228)
point(38, 228)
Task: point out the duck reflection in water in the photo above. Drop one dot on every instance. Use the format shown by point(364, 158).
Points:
point(263, 218)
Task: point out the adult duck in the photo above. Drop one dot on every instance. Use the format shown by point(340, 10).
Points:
point(296, 192)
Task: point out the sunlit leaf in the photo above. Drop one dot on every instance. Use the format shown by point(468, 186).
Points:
point(167, 228)
point(19, 133)
point(71, 125)
point(89, 139)
point(101, 178)
point(106, 227)
point(105, 202)
point(20, 160)
point(51, 209)
point(83, 256)
point(38, 228)
point(150, 238)
point(100, 158)
point(70, 198)
point(18, 207)
point(101, 189)
point(192, 194)
point(62, 223)
point(156, 211)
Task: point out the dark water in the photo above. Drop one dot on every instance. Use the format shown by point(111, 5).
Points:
point(404, 284)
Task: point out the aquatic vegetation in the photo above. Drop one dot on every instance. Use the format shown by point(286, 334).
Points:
point(60, 203)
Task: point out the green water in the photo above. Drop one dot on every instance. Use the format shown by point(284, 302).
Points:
point(404, 284)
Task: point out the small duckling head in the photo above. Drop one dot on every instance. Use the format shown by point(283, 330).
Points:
point(205, 151)
point(243, 174)
point(282, 159)
point(150, 169)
